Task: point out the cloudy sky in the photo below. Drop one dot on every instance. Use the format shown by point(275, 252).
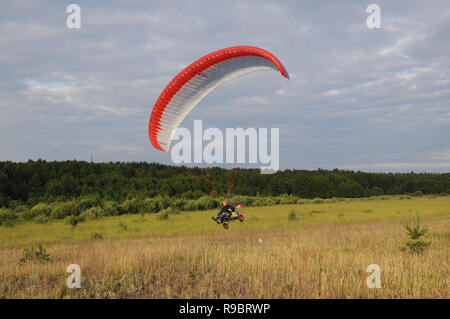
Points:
point(358, 98)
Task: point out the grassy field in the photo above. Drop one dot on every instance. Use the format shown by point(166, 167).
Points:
point(321, 253)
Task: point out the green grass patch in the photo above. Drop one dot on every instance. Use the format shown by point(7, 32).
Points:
point(175, 222)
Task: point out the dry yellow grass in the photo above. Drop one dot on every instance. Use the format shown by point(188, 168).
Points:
point(303, 259)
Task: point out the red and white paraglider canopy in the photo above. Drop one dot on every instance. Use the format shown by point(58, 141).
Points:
point(197, 80)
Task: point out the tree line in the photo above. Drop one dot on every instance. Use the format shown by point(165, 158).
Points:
point(40, 181)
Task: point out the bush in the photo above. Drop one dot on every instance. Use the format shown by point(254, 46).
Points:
point(63, 210)
point(206, 202)
point(318, 200)
point(131, 206)
point(110, 209)
point(164, 214)
point(153, 205)
point(275, 199)
point(258, 202)
point(7, 223)
point(166, 202)
point(20, 209)
point(376, 191)
point(89, 202)
point(188, 195)
point(97, 235)
point(41, 209)
point(74, 220)
point(288, 199)
point(245, 200)
point(292, 215)
point(415, 233)
point(174, 210)
point(35, 254)
point(179, 204)
point(191, 205)
point(27, 215)
point(417, 193)
point(14, 204)
point(92, 213)
point(41, 219)
point(6, 217)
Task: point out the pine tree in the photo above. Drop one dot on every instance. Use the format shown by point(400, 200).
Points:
point(415, 232)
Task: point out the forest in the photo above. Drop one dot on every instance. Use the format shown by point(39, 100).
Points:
point(41, 181)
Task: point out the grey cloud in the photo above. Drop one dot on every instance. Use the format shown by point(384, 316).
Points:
point(374, 99)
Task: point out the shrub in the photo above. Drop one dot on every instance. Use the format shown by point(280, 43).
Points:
point(74, 220)
point(166, 202)
point(292, 215)
point(20, 209)
point(415, 232)
point(14, 204)
point(154, 205)
point(41, 209)
point(179, 204)
point(97, 235)
point(417, 193)
point(7, 223)
point(164, 214)
point(62, 210)
point(131, 206)
point(288, 199)
point(269, 202)
point(6, 217)
point(258, 202)
point(245, 200)
point(41, 219)
point(276, 200)
point(191, 204)
point(188, 195)
point(318, 200)
point(110, 209)
point(92, 213)
point(376, 191)
point(173, 210)
point(89, 202)
point(206, 202)
point(27, 215)
point(35, 254)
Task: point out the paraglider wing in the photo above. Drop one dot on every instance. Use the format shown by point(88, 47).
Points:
point(197, 80)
